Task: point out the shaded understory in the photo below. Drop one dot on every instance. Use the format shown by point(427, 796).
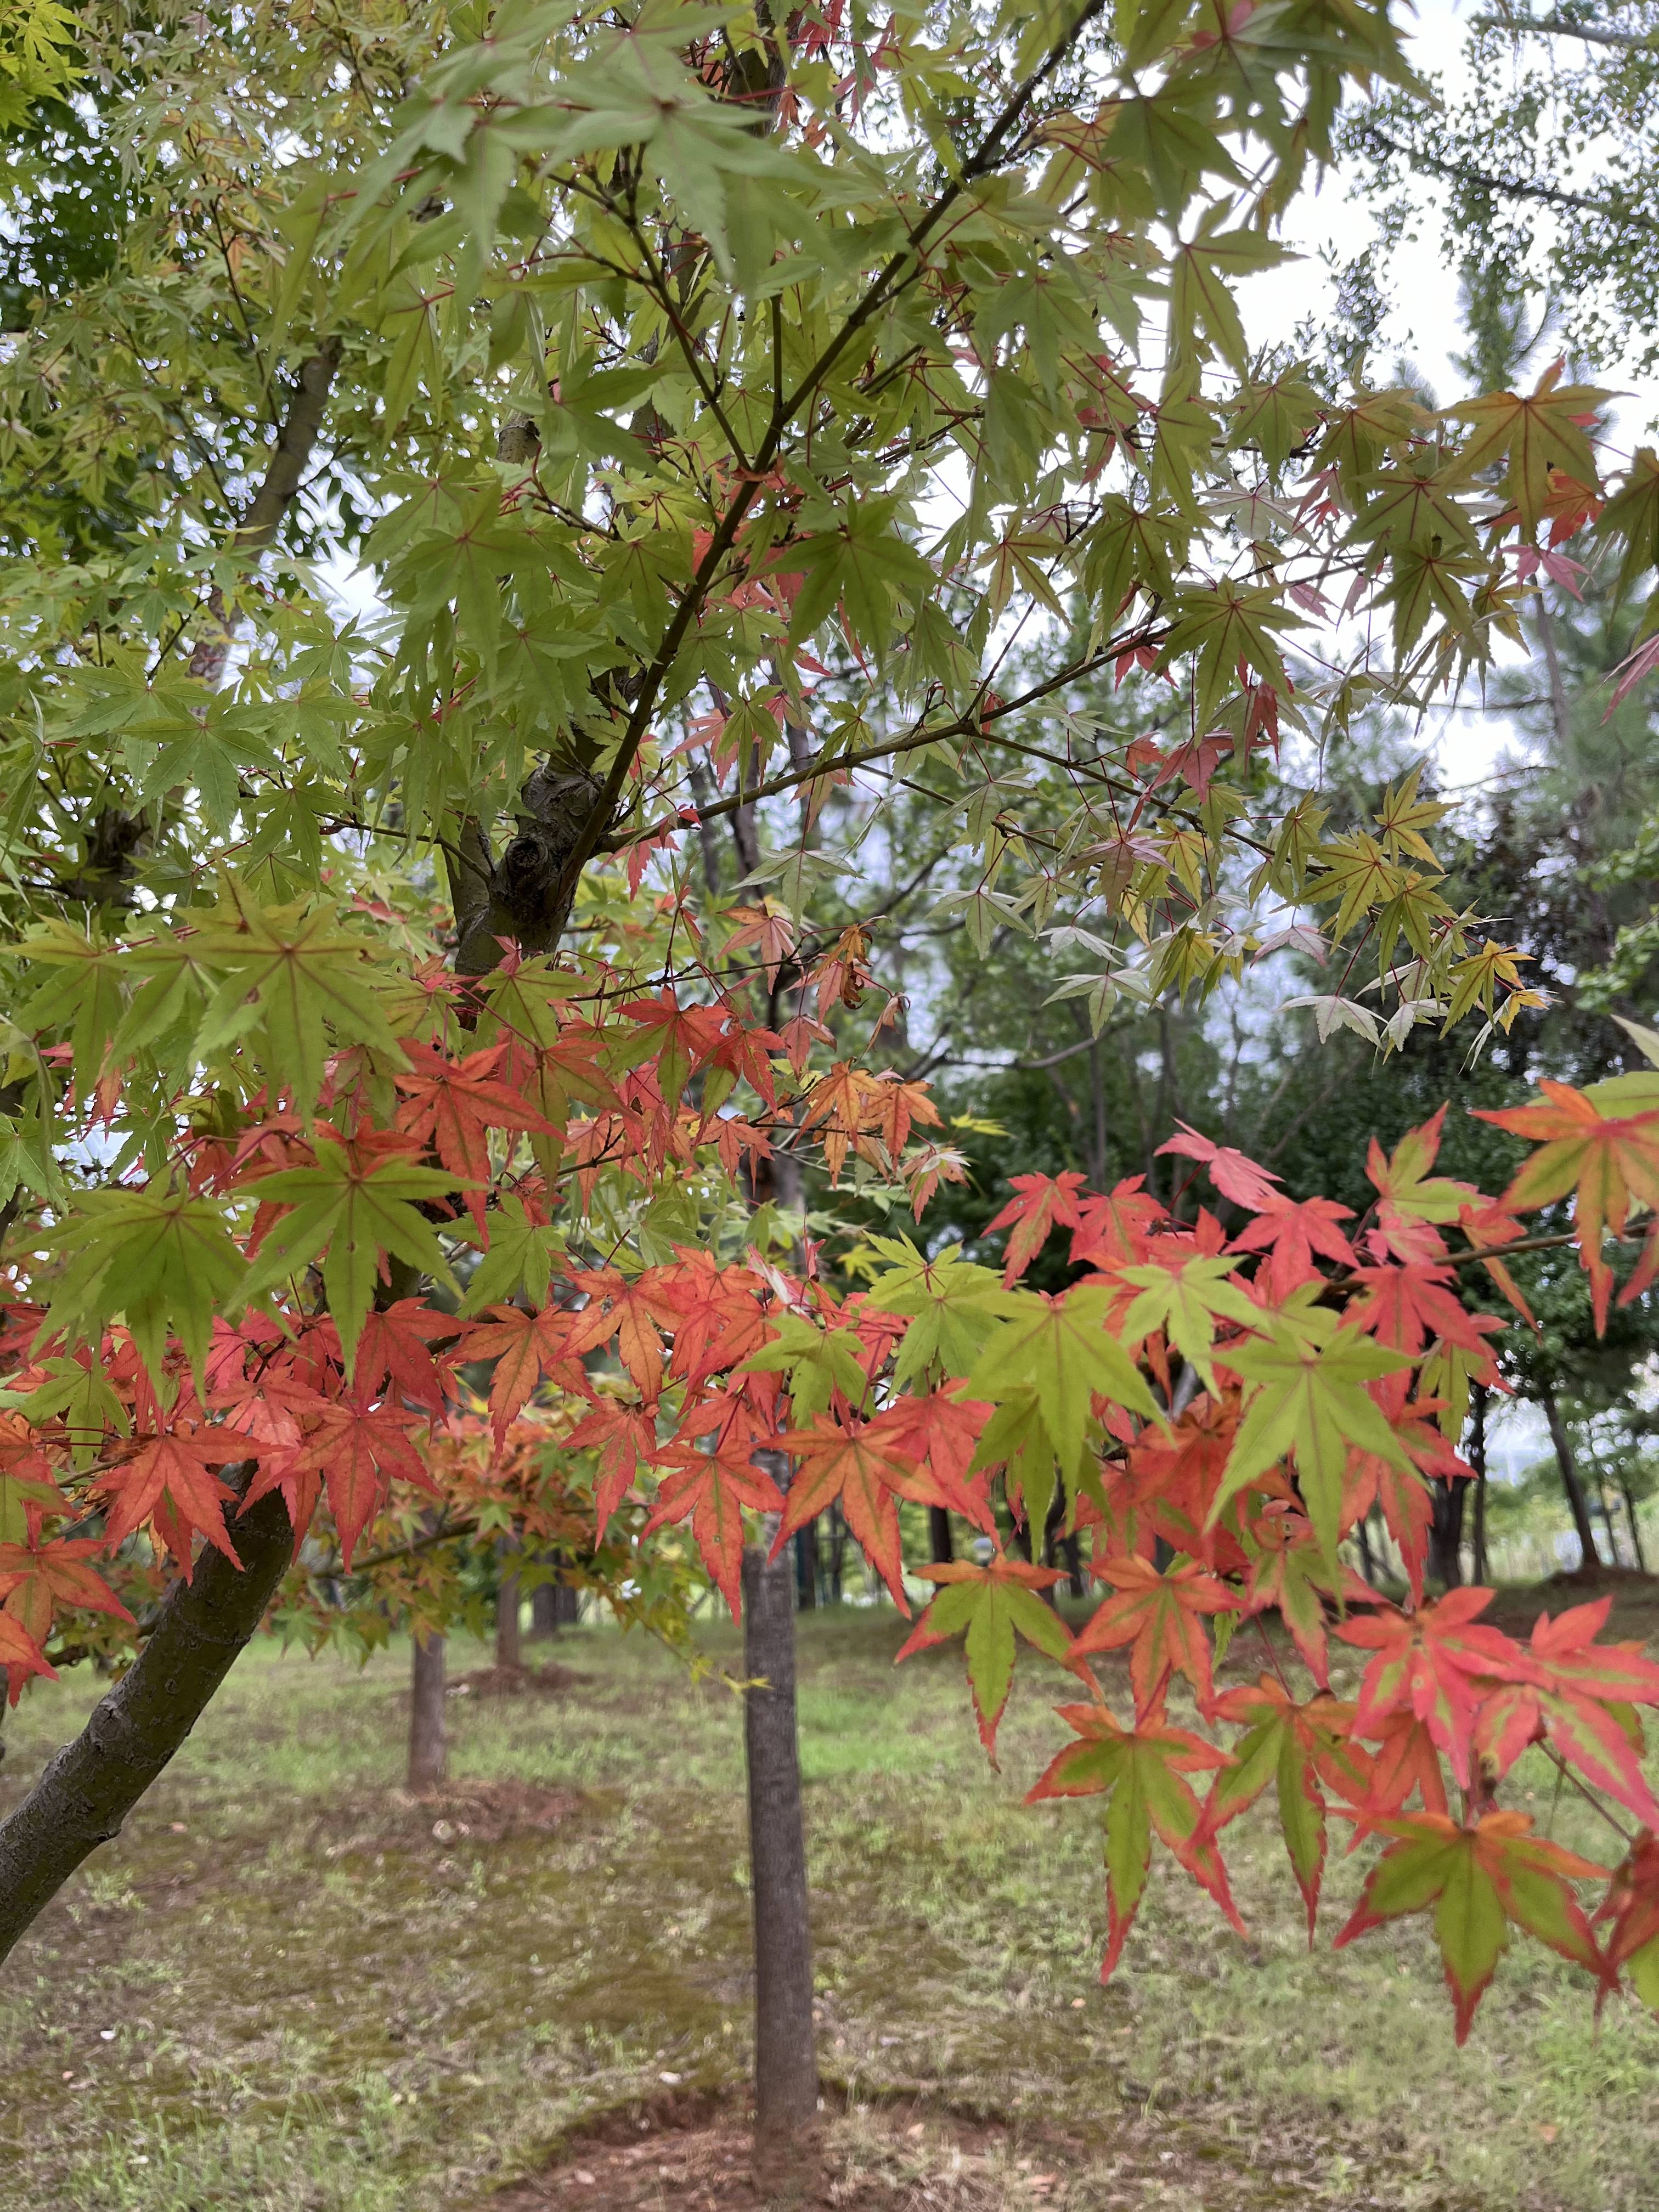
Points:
point(288, 1986)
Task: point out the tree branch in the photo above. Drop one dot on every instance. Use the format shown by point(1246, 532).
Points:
point(263, 517)
point(1519, 188)
point(1556, 27)
point(94, 1782)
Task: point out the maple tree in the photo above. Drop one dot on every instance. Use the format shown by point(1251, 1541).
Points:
point(392, 1137)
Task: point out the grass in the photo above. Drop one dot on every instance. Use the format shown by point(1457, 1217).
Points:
point(287, 1986)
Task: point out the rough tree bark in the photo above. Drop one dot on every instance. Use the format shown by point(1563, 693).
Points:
point(428, 1744)
point(785, 2063)
point(1577, 1502)
point(92, 1784)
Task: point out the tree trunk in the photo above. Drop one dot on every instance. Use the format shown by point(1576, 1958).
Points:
point(941, 1548)
point(553, 1606)
point(1636, 1551)
point(1448, 1498)
point(837, 1550)
point(94, 1782)
point(509, 1650)
point(1478, 1462)
point(428, 1748)
point(1578, 1504)
point(806, 1567)
point(1367, 1566)
point(785, 2065)
point(1070, 1550)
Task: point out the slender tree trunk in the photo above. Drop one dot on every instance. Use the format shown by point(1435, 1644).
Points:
point(806, 1567)
point(428, 1747)
point(1578, 1504)
point(1640, 1555)
point(94, 1782)
point(553, 1606)
point(1478, 1462)
point(837, 1549)
point(1446, 1531)
point(509, 1647)
point(1367, 1566)
point(941, 1549)
point(1071, 1552)
point(1607, 1520)
point(785, 2065)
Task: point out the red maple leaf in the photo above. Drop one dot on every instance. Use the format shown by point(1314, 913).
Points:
point(525, 1347)
point(1160, 1616)
point(1408, 1505)
point(19, 1656)
point(1573, 1705)
point(626, 1436)
point(168, 1478)
point(634, 1313)
point(1290, 1231)
point(359, 1452)
point(1408, 1305)
point(864, 1466)
point(938, 1435)
point(39, 1580)
point(1610, 1162)
point(1632, 1906)
point(1234, 1174)
point(1406, 1760)
point(716, 1312)
point(394, 1350)
point(1114, 1230)
point(452, 1105)
point(1040, 1203)
point(1435, 1664)
point(712, 1489)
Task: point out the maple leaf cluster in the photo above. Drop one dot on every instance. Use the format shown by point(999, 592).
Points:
point(417, 1311)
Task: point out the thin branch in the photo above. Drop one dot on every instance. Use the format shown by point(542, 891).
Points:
point(1556, 27)
point(1521, 188)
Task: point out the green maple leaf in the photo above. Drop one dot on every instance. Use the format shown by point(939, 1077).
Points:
point(1185, 1301)
point(1061, 1350)
point(358, 1207)
point(160, 1259)
point(293, 975)
point(818, 1361)
point(951, 1306)
point(1536, 433)
point(1310, 1399)
point(1479, 1878)
point(991, 1603)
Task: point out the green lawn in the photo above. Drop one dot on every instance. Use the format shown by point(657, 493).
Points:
point(285, 1986)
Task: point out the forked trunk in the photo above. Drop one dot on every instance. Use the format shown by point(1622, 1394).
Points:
point(429, 1747)
point(786, 2064)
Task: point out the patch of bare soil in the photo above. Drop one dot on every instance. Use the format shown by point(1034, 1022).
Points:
point(693, 2155)
point(462, 1812)
point(548, 1681)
